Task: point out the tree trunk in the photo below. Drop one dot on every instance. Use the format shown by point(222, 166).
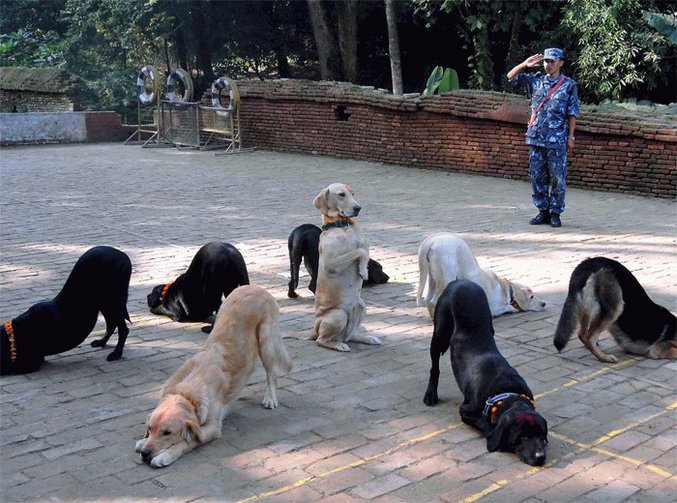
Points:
point(205, 74)
point(513, 46)
point(330, 64)
point(347, 38)
point(394, 48)
point(180, 47)
point(279, 46)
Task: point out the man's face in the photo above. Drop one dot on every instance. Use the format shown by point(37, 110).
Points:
point(552, 66)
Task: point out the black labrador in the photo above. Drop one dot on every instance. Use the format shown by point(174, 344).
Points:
point(497, 401)
point(99, 282)
point(216, 269)
point(303, 244)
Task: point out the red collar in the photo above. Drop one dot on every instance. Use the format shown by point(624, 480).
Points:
point(164, 291)
point(12, 341)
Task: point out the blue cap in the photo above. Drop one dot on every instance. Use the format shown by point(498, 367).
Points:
point(553, 53)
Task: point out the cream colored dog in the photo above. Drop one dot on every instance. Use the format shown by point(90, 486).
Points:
point(344, 255)
point(195, 399)
point(444, 257)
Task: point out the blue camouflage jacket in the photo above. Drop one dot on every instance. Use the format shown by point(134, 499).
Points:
point(550, 129)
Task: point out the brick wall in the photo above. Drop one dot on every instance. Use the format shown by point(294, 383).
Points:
point(12, 101)
point(463, 131)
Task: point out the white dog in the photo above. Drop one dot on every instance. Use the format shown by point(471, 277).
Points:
point(195, 399)
point(444, 257)
point(344, 255)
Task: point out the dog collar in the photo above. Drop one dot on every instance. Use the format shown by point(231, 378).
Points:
point(12, 340)
point(329, 222)
point(511, 293)
point(164, 291)
point(494, 403)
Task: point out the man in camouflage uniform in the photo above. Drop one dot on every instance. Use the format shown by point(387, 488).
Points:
point(550, 132)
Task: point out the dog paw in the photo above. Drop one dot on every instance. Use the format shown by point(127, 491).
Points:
point(342, 346)
point(98, 343)
point(115, 355)
point(431, 398)
point(370, 339)
point(610, 359)
point(269, 403)
point(292, 295)
point(161, 460)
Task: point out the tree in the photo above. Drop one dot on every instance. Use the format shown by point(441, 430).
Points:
point(616, 52)
point(327, 52)
point(394, 48)
point(491, 31)
point(336, 49)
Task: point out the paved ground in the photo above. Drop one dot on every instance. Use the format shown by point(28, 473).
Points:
point(351, 426)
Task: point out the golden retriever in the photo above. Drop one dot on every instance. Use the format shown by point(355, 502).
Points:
point(344, 255)
point(195, 399)
point(444, 257)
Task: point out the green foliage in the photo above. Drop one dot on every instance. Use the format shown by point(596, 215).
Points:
point(616, 51)
point(441, 80)
point(480, 23)
point(613, 47)
point(449, 81)
point(434, 81)
point(30, 48)
point(663, 23)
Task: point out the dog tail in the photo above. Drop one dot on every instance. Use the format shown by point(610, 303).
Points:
point(272, 350)
point(568, 321)
point(423, 266)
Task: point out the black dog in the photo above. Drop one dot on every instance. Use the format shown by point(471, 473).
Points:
point(303, 244)
point(217, 269)
point(99, 282)
point(497, 400)
point(604, 294)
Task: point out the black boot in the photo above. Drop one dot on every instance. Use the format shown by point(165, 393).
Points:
point(543, 217)
point(554, 220)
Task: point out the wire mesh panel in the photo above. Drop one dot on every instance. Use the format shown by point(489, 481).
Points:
point(219, 128)
point(180, 124)
point(147, 127)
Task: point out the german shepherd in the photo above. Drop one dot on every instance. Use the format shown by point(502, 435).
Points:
point(603, 295)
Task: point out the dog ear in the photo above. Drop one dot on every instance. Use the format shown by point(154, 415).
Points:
point(320, 201)
point(192, 432)
point(498, 439)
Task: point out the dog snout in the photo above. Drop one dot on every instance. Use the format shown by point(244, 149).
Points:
point(145, 454)
point(539, 459)
point(356, 209)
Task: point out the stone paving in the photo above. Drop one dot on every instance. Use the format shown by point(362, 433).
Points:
point(351, 426)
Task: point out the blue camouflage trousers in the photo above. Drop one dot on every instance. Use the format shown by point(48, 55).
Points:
point(548, 172)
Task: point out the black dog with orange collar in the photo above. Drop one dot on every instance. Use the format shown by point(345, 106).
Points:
point(99, 282)
point(496, 399)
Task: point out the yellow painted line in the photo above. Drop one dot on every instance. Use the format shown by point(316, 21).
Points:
point(493, 487)
point(574, 382)
point(584, 447)
point(591, 447)
point(359, 462)
point(496, 485)
point(630, 426)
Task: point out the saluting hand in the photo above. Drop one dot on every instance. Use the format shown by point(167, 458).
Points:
point(533, 61)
